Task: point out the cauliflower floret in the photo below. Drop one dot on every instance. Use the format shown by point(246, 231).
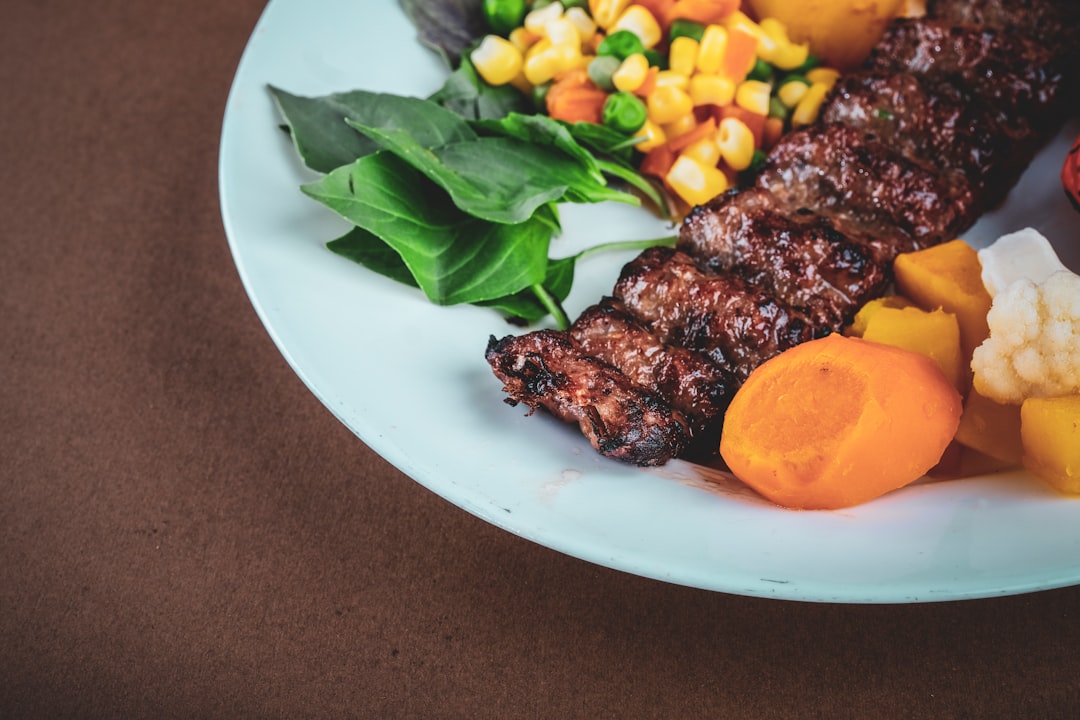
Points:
point(1034, 344)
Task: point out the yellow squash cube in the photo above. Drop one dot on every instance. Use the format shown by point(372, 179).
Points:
point(1050, 431)
point(991, 428)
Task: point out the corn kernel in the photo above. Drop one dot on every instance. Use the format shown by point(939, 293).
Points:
point(680, 126)
point(667, 104)
point(694, 182)
point(652, 136)
point(806, 112)
point(753, 95)
point(536, 21)
point(631, 73)
point(497, 60)
point(741, 20)
point(736, 143)
point(606, 12)
point(522, 39)
point(669, 78)
point(711, 90)
point(582, 21)
point(704, 151)
point(638, 20)
point(790, 55)
point(561, 31)
point(823, 75)
point(682, 57)
point(711, 49)
point(543, 66)
point(790, 93)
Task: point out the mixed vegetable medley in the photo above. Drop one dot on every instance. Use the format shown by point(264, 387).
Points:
point(673, 102)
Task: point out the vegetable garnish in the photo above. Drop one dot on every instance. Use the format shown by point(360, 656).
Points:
point(463, 209)
point(839, 421)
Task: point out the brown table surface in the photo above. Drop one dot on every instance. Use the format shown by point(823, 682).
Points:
point(185, 531)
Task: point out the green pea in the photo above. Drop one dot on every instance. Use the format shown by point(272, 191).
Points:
point(656, 59)
point(539, 97)
point(601, 68)
point(583, 4)
point(624, 112)
point(810, 63)
point(762, 71)
point(686, 28)
point(504, 15)
point(777, 109)
point(621, 44)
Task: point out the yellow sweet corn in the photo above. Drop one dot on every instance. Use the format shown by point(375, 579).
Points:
point(606, 12)
point(554, 59)
point(631, 73)
point(790, 55)
point(823, 75)
point(711, 49)
point(638, 20)
point(652, 136)
point(704, 151)
point(711, 90)
point(536, 21)
point(497, 60)
point(790, 93)
point(670, 78)
point(809, 106)
point(682, 57)
point(562, 31)
point(667, 104)
point(753, 95)
point(736, 143)
point(680, 126)
point(585, 25)
point(695, 182)
point(522, 39)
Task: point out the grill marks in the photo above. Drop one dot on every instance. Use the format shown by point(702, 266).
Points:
point(946, 113)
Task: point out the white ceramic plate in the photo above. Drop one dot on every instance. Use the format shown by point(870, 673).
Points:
point(410, 379)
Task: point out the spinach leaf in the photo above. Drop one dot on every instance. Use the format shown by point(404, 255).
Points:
point(541, 130)
point(466, 94)
point(500, 179)
point(526, 305)
point(369, 250)
point(325, 141)
point(454, 257)
point(447, 26)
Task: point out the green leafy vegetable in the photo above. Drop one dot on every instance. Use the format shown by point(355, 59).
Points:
point(466, 94)
point(454, 257)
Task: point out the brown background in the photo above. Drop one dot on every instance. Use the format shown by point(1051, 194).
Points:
point(186, 532)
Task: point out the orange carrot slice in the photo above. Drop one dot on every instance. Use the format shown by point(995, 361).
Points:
point(839, 421)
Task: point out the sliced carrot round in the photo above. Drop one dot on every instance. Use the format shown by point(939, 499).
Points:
point(839, 421)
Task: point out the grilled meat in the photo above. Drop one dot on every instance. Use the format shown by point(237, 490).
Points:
point(1017, 76)
point(691, 382)
point(936, 127)
point(739, 326)
point(798, 256)
point(1054, 23)
point(866, 188)
point(620, 419)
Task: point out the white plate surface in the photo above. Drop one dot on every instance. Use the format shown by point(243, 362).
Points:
point(410, 379)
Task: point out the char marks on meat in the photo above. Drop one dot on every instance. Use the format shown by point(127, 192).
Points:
point(737, 324)
point(944, 116)
point(690, 381)
point(1017, 76)
point(621, 420)
point(798, 256)
point(865, 187)
point(939, 128)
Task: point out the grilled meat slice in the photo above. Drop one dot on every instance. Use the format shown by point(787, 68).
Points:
point(1054, 23)
point(621, 420)
point(798, 256)
point(737, 325)
point(1015, 75)
point(691, 382)
point(865, 187)
point(936, 127)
